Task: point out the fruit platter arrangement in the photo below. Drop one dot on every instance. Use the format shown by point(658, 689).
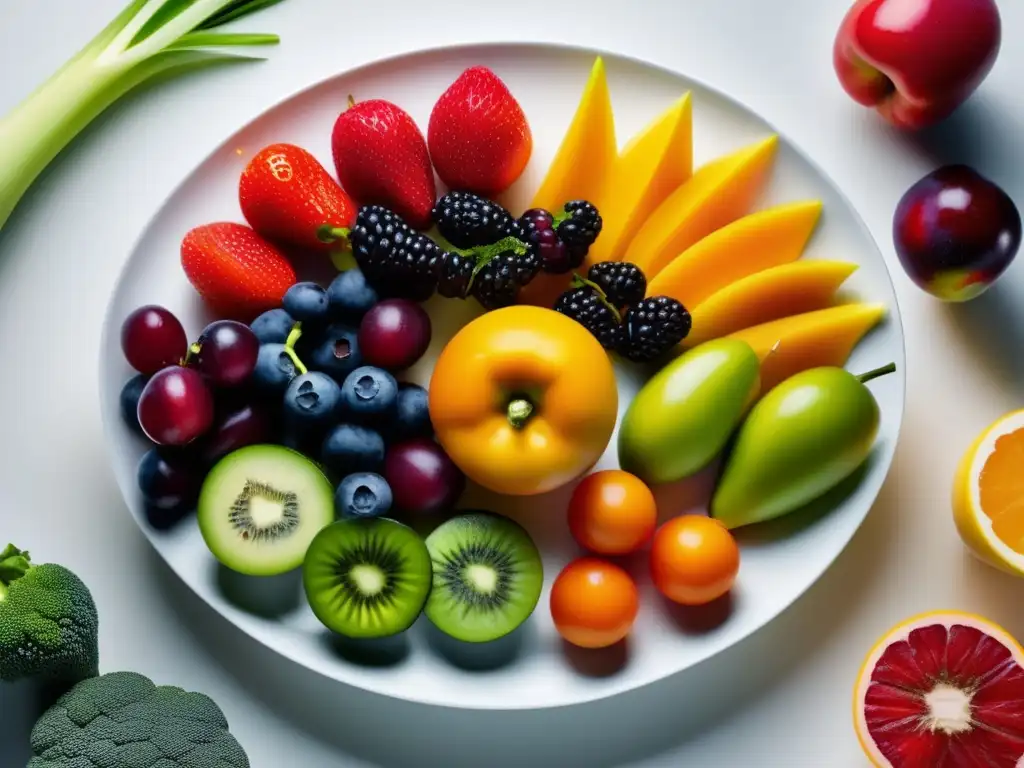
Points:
point(404, 381)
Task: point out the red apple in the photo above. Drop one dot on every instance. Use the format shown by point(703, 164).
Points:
point(956, 232)
point(916, 61)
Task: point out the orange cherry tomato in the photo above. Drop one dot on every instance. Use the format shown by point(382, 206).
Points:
point(593, 603)
point(694, 559)
point(612, 512)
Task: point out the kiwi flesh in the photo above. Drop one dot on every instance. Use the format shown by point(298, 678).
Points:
point(487, 576)
point(260, 507)
point(367, 577)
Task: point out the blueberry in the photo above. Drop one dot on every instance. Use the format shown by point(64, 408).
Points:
point(130, 402)
point(168, 481)
point(274, 369)
point(352, 448)
point(307, 303)
point(273, 326)
point(350, 296)
point(363, 494)
point(312, 400)
point(369, 396)
point(335, 352)
point(412, 413)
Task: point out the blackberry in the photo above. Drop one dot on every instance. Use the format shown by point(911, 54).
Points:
point(653, 326)
point(582, 226)
point(623, 283)
point(395, 259)
point(539, 233)
point(584, 305)
point(467, 220)
point(497, 282)
point(454, 274)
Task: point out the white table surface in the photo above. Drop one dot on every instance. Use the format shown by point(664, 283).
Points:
point(780, 699)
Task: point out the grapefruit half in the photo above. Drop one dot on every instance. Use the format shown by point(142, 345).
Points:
point(988, 495)
point(942, 690)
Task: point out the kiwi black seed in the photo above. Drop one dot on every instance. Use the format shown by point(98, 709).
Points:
point(487, 576)
point(260, 506)
point(367, 577)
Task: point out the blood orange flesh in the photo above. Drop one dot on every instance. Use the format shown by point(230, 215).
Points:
point(943, 691)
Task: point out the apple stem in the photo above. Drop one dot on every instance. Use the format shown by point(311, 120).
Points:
point(864, 378)
point(519, 411)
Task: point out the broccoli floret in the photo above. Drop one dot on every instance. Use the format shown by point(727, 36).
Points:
point(48, 623)
point(123, 720)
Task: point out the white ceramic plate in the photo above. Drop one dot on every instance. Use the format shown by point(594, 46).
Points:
point(532, 667)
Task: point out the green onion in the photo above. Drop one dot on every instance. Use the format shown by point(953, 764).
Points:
point(148, 38)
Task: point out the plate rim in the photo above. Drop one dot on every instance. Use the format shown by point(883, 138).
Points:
point(626, 685)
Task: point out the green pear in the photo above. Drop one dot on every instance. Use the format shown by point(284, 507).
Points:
point(802, 439)
point(684, 415)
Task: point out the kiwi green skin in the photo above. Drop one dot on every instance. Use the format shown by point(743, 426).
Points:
point(474, 526)
point(319, 575)
point(208, 508)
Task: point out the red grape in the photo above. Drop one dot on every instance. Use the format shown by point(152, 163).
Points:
point(175, 407)
point(394, 334)
point(227, 352)
point(422, 477)
point(235, 428)
point(152, 338)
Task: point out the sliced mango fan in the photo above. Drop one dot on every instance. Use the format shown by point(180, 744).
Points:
point(148, 38)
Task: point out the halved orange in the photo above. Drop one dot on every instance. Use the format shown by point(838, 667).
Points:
point(988, 494)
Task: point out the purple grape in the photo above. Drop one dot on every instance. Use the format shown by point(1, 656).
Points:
point(234, 428)
point(175, 406)
point(226, 353)
point(152, 338)
point(422, 477)
point(394, 334)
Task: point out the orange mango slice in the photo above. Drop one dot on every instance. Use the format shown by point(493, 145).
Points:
point(588, 150)
point(580, 170)
point(809, 340)
point(717, 194)
point(748, 245)
point(654, 163)
point(772, 294)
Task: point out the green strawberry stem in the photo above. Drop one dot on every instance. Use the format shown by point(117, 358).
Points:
point(864, 378)
point(327, 233)
point(519, 412)
point(14, 564)
point(289, 347)
point(578, 281)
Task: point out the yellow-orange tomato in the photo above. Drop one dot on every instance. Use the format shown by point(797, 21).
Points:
point(593, 603)
point(694, 559)
point(612, 512)
point(523, 400)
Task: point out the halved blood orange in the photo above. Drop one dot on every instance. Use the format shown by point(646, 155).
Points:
point(943, 690)
point(988, 494)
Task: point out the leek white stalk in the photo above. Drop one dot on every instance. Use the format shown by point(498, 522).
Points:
point(148, 38)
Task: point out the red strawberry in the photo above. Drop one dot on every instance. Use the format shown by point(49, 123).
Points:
point(478, 135)
point(237, 272)
point(287, 196)
point(382, 159)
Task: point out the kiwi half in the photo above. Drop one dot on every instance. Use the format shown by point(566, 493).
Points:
point(487, 576)
point(367, 577)
point(260, 506)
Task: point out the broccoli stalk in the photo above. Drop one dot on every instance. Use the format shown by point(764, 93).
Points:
point(48, 623)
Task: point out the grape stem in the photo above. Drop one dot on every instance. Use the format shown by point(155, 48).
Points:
point(519, 412)
point(864, 378)
point(193, 349)
point(289, 348)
